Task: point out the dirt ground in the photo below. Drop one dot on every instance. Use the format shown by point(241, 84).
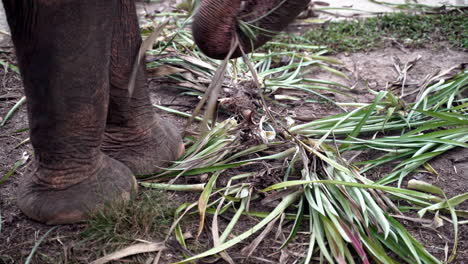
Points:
point(18, 234)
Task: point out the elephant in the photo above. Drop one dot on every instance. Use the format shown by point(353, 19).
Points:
point(90, 138)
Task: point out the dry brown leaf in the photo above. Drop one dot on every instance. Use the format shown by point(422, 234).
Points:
point(145, 45)
point(197, 62)
point(215, 232)
point(131, 250)
point(164, 70)
point(248, 250)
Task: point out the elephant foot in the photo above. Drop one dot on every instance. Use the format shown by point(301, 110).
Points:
point(111, 181)
point(144, 151)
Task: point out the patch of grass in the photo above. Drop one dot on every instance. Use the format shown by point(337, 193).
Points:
point(411, 30)
point(147, 216)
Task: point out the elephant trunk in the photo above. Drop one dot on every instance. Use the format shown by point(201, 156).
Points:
point(216, 23)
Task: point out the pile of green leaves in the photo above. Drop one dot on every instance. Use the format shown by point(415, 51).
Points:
point(344, 213)
point(325, 194)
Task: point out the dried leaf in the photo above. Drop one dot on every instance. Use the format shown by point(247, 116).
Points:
point(131, 250)
point(164, 70)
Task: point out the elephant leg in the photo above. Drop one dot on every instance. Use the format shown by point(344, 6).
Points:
point(63, 50)
point(135, 134)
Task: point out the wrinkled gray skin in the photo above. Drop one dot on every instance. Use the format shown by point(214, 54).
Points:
point(89, 137)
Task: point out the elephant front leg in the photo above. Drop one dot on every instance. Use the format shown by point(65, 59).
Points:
point(63, 49)
point(135, 134)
